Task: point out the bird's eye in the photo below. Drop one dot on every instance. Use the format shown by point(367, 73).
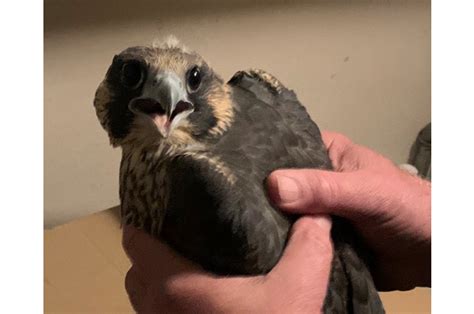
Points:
point(132, 74)
point(194, 79)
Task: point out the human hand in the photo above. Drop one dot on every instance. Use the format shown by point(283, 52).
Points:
point(162, 281)
point(389, 208)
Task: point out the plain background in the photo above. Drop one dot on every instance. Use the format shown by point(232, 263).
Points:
point(361, 68)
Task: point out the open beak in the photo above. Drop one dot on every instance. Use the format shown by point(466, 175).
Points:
point(164, 100)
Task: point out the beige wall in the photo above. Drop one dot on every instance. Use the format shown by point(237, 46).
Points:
point(361, 68)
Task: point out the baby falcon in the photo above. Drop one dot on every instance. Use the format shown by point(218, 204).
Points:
point(195, 154)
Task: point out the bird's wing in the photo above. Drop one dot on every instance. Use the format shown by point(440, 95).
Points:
point(275, 110)
point(296, 143)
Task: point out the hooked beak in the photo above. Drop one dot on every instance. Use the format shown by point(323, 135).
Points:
point(164, 100)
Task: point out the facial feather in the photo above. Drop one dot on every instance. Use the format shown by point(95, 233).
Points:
point(212, 111)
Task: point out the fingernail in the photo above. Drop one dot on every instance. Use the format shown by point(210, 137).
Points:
point(288, 190)
point(324, 221)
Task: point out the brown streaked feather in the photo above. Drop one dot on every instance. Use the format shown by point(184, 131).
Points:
point(220, 101)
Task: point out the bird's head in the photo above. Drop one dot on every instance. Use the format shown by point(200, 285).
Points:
point(162, 93)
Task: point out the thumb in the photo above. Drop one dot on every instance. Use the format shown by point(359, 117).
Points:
point(312, 191)
point(304, 268)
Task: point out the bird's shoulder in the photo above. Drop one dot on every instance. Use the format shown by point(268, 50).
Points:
point(257, 90)
point(252, 76)
point(271, 120)
point(261, 83)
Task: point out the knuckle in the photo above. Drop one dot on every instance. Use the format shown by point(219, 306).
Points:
point(183, 290)
point(174, 296)
point(174, 289)
point(323, 190)
point(127, 281)
point(130, 280)
point(134, 290)
point(313, 233)
point(342, 139)
point(335, 138)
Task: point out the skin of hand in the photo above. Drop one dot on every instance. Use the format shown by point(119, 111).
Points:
point(162, 281)
point(389, 208)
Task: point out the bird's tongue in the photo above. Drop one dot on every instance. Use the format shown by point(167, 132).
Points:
point(162, 122)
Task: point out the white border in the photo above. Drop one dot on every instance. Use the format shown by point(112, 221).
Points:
point(453, 156)
point(22, 156)
point(21, 153)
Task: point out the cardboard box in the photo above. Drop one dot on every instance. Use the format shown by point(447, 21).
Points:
point(85, 268)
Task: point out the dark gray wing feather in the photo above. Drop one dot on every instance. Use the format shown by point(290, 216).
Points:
point(225, 221)
point(351, 288)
